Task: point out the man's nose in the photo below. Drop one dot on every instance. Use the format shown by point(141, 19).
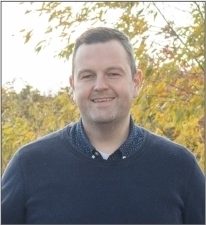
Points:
point(100, 83)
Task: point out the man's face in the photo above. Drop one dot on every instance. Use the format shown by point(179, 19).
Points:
point(102, 82)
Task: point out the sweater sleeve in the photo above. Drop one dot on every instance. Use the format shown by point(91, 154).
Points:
point(13, 193)
point(195, 198)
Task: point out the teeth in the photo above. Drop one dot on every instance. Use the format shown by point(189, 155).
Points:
point(103, 100)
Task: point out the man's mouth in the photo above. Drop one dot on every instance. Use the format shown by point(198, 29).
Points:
point(102, 100)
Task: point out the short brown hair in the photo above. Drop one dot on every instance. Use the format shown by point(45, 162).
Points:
point(104, 34)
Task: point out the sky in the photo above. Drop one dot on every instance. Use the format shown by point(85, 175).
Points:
point(21, 62)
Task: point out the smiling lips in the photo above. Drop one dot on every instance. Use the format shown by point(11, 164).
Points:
point(102, 100)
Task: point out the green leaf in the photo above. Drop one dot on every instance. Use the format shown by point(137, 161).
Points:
point(27, 37)
point(38, 49)
point(140, 12)
point(40, 42)
point(49, 30)
point(28, 11)
point(149, 71)
point(155, 15)
point(52, 16)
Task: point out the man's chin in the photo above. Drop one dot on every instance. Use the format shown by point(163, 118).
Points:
point(103, 120)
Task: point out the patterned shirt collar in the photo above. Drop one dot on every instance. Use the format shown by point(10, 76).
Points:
point(80, 140)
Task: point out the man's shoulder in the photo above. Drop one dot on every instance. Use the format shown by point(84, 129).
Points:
point(48, 148)
point(162, 145)
point(45, 143)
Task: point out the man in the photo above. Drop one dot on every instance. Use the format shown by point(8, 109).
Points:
point(103, 168)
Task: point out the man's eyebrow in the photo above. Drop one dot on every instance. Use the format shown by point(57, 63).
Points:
point(84, 71)
point(115, 68)
point(92, 71)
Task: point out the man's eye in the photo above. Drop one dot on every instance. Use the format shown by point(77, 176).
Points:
point(113, 74)
point(87, 76)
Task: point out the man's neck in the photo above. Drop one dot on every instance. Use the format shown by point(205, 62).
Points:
point(109, 137)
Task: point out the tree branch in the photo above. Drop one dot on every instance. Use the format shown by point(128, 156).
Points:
point(199, 10)
point(176, 34)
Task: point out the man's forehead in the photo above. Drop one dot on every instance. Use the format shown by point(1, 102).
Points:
point(113, 45)
point(99, 43)
point(111, 53)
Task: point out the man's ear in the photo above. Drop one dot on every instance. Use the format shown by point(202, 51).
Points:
point(137, 82)
point(71, 82)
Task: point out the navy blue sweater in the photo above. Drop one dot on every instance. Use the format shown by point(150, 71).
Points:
point(49, 181)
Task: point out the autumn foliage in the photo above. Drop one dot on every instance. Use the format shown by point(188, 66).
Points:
point(171, 100)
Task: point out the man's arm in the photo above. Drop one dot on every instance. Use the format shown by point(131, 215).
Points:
point(195, 198)
point(13, 193)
